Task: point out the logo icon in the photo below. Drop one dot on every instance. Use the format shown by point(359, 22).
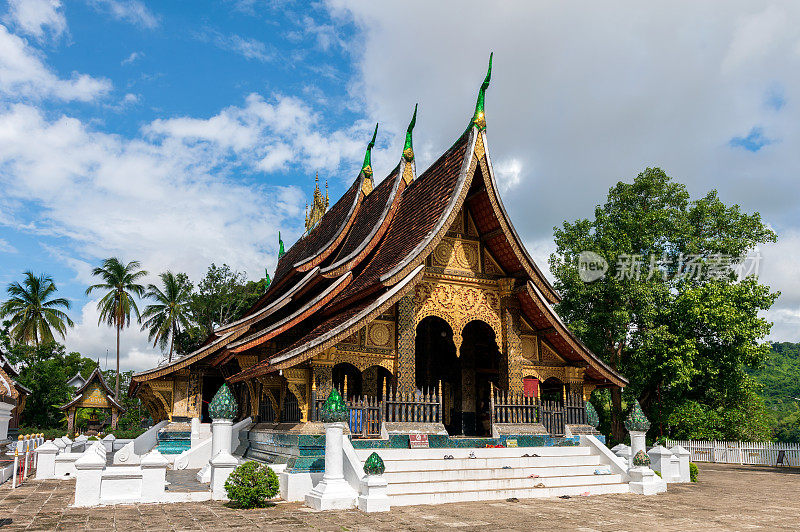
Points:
point(591, 266)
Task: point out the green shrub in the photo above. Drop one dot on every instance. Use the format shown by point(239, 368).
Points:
point(250, 484)
point(692, 471)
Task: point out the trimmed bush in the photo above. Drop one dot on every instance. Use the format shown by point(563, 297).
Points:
point(693, 471)
point(251, 484)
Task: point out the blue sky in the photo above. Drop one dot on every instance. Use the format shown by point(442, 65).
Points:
point(179, 133)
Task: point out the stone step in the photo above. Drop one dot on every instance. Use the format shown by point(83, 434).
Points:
point(490, 452)
point(442, 497)
point(489, 463)
point(488, 473)
point(508, 483)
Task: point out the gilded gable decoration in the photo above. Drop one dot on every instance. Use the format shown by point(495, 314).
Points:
point(319, 206)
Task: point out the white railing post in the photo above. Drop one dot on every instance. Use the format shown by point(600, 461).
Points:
point(46, 461)
point(89, 477)
point(27, 447)
point(154, 476)
point(17, 450)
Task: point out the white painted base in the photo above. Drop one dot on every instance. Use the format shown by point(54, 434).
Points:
point(645, 482)
point(335, 494)
point(374, 496)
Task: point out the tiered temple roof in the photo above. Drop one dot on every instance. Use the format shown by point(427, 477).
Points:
point(369, 250)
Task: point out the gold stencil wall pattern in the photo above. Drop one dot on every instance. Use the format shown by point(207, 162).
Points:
point(457, 305)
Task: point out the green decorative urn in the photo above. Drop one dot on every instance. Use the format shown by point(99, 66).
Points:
point(223, 405)
point(374, 465)
point(592, 419)
point(334, 409)
point(636, 420)
point(641, 459)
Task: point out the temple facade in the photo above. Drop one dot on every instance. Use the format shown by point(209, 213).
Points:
point(417, 285)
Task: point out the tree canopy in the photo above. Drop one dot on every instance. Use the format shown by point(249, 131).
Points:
point(170, 313)
point(33, 312)
point(670, 313)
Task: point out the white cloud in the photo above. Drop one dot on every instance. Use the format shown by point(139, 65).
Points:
point(92, 340)
point(5, 247)
point(265, 129)
point(246, 47)
point(586, 94)
point(508, 173)
point(24, 75)
point(131, 58)
point(36, 17)
point(132, 11)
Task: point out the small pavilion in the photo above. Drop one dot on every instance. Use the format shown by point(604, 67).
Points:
point(94, 393)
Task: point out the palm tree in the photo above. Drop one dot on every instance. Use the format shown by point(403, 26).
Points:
point(115, 307)
point(32, 312)
point(170, 313)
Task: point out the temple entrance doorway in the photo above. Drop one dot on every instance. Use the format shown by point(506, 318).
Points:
point(347, 379)
point(436, 362)
point(211, 385)
point(480, 369)
point(553, 390)
point(466, 380)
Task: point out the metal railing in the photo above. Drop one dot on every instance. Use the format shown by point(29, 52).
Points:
point(553, 415)
point(367, 413)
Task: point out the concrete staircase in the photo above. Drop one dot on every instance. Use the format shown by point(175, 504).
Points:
point(424, 476)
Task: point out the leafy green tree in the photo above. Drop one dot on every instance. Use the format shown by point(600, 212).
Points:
point(779, 385)
point(33, 312)
point(222, 296)
point(44, 369)
point(676, 335)
point(116, 306)
point(171, 311)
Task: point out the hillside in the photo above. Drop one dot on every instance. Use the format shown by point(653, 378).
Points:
point(779, 378)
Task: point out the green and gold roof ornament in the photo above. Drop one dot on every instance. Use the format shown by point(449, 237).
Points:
point(367, 166)
point(408, 150)
point(267, 280)
point(641, 459)
point(592, 419)
point(223, 405)
point(374, 465)
point(636, 420)
point(334, 409)
point(281, 251)
point(479, 118)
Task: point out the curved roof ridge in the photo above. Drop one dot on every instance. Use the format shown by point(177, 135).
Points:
point(283, 300)
point(292, 319)
point(361, 242)
point(425, 207)
point(332, 330)
point(323, 239)
point(582, 349)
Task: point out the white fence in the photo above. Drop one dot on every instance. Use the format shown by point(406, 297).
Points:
point(740, 452)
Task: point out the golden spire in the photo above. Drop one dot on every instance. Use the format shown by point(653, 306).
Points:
point(319, 205)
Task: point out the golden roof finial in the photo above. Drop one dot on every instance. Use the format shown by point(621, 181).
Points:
point(319, 205)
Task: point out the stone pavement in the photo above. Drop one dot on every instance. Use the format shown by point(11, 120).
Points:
point(727, 498)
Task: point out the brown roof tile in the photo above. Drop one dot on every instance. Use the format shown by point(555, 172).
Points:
point(421, 207)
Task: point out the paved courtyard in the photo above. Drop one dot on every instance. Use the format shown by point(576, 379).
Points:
point(727, 498)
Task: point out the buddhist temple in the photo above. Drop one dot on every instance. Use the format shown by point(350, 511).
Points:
point(12, 398)
point(93, 393)
point(411, 289)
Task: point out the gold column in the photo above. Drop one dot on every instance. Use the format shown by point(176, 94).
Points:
point(406, 335)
